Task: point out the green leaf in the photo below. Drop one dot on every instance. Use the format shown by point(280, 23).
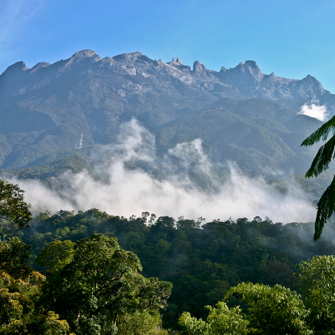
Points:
point(321, 133)
point(12, 206)
point(326, 207)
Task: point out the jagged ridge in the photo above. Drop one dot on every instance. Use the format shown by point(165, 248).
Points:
point(45, 109)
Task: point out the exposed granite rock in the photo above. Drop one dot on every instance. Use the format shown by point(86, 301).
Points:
point(47, 107)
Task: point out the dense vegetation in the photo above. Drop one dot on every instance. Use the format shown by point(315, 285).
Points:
point(80, 273)
point(275, 310)
point(93, 286)
point(202, 260)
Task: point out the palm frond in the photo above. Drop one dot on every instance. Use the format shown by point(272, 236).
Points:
point(326, 207)
point(322, 159)
point(321, 133)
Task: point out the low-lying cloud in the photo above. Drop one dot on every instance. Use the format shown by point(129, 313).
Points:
point(131, 178)
point(315, 111)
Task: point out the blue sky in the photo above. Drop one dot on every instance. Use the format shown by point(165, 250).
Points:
point(290, 38)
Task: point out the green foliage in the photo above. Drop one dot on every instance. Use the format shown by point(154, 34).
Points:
point(12, 206)
point(56, 255)
point(194, 326)
point(57, 166)
point(96, 286)
point(270, 311)
point(326, 204)
point(14, 258)
point(19, 313)
point(141, 323)
point(97, 280)
point(99, 285)
point(273, 310)
point(317, 283)
point(202, 263)
point(321, 133)
point(221, 320)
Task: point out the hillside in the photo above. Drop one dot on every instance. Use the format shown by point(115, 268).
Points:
point(240, 114)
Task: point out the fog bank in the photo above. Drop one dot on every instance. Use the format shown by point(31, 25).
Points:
point(132, 179)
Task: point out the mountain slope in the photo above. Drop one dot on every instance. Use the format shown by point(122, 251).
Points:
point(241, 114)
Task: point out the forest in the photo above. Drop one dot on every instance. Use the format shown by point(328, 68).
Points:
point(95, 273)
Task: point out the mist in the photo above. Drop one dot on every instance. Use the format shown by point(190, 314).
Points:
point(315, 111)
point(130, 178)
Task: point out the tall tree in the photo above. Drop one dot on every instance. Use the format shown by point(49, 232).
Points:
point(14, 258)
point(273, 310)
point(18, 312)
point(95, 285)
point(221, 320)
point(13, 208)
point(317, 283)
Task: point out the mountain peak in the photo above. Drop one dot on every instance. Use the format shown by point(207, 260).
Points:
point(79, 57)
point(313, 84)
point(49, 106)
point(197, 67)
point(249, 69)
point(130, 56)
point(310, 78)
point(252, 64)
point(16, 67)
point(84, 54)
point(246, 78)
point(175, 62)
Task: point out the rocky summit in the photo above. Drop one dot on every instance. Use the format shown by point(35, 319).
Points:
point(240, 114)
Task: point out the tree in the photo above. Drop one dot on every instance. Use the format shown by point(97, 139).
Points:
point(96, 285)
point(317, 283)
point(273, 310)
point(221, 320)
point(12, 206)
point(326, 204)
point(140, 323)
point(14, 258)
point(18, 312)
point(56, 255)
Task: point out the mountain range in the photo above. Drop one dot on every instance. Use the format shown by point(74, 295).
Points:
point(240, 113)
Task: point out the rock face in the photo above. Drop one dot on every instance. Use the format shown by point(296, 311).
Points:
point(45, 109)
point(249, 80)
point(246, 79)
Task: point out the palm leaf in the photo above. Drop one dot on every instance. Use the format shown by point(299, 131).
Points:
point(321, 133)
point(322, 159)
point(326, 207)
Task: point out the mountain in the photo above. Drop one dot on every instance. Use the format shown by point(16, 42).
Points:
point(240, 114)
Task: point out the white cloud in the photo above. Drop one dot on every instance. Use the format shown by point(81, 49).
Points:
point(315, 111)
point(133, 179)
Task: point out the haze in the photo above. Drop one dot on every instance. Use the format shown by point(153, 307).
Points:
point(167, 186)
